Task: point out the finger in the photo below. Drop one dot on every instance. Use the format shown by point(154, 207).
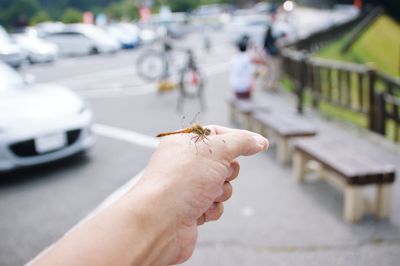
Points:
point(234, 142)
point(226, 192)
point(201, 220)
point(219, 130)
point(214, 212)
point(243, 142)
point(234, 170)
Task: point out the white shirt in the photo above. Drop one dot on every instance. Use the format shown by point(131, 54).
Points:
point(242, 72)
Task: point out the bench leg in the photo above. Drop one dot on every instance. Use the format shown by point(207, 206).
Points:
point(247, 121)
point(282, 150)
point(232, 114)
point(383, 200)
point(257, 127)
point(299, 165)
point(353, 204)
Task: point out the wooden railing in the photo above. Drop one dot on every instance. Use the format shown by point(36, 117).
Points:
point(357, 88)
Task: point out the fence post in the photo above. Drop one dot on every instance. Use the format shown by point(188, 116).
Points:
point(381, 113)
point(373, 101)
point(302, 81)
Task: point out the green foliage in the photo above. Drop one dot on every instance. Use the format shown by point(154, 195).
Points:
point(183, 5)
point(40, 16)
point(18, 12)
point(126, 9)
point(380, 45)
point(71, 15)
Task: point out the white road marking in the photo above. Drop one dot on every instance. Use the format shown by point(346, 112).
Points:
point(119, 134)
point(119, 92)
point(133, 138)
point(117, 194)
point(126, 135)
point(143, 89)
point(102, 74)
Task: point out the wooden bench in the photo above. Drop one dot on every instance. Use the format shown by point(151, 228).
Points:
point(281, 128)
point(241, 110)
point(350, 170)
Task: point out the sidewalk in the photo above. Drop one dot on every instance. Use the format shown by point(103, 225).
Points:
point(271, 220)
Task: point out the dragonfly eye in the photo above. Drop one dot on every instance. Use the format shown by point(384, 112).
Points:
point(207, 132)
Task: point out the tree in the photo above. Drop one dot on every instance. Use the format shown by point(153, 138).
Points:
point(124, 9)
point(19, 13)
point(183, 5)
point(40, 16)
point(71, 15)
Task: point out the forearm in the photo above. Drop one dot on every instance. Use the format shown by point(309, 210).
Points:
point(134, 231)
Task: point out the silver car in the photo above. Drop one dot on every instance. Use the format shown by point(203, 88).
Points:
point(10, 53)
point(39, 122)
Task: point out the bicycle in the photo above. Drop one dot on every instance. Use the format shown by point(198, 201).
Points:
point(155, 64)
point(191, 82)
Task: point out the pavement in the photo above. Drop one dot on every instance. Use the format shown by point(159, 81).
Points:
point(270, 220)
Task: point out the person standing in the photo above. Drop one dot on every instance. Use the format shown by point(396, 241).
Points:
point(242, 71)
point(272, 50)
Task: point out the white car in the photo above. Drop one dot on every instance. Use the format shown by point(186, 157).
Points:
point(147, 35)
point(253, 26)
point(127, 34)
point(39, 123)
point(83, 39)
point(38, 50)
point(10, 53)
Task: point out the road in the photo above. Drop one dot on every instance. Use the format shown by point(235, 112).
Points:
point(38, 205)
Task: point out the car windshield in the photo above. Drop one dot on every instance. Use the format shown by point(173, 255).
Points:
point(9, 78)
point(95, 33)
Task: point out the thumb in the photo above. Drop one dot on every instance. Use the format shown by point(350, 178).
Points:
point(236, 142)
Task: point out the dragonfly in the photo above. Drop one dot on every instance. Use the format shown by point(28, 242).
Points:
point(199, 131)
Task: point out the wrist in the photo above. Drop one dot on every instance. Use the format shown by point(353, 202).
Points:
point(149, 214)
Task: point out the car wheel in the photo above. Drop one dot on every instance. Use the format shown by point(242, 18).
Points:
point(94, 51)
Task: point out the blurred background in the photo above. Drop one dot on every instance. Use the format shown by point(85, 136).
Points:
point(86, 85)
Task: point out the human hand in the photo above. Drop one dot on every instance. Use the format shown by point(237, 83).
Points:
point(155, 223)
point(192, 180)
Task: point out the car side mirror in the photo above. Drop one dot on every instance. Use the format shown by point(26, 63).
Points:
point(29, 79)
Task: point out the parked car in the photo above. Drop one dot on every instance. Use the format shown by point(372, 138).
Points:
point(37, 49)
point(147, 34)
point(174, 23)
point(43, 28)
point(83, 39)
point(254, 26)
point(39, 123)
point(10, 53)
point(126, 34)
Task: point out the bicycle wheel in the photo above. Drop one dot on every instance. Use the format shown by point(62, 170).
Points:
point(151, 65)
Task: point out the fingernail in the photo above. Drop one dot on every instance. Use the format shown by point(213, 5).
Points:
point(261, 141)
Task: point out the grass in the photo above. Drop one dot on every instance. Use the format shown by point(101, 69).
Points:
point(328, 110)
point(331, 111)
point(378, 45)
